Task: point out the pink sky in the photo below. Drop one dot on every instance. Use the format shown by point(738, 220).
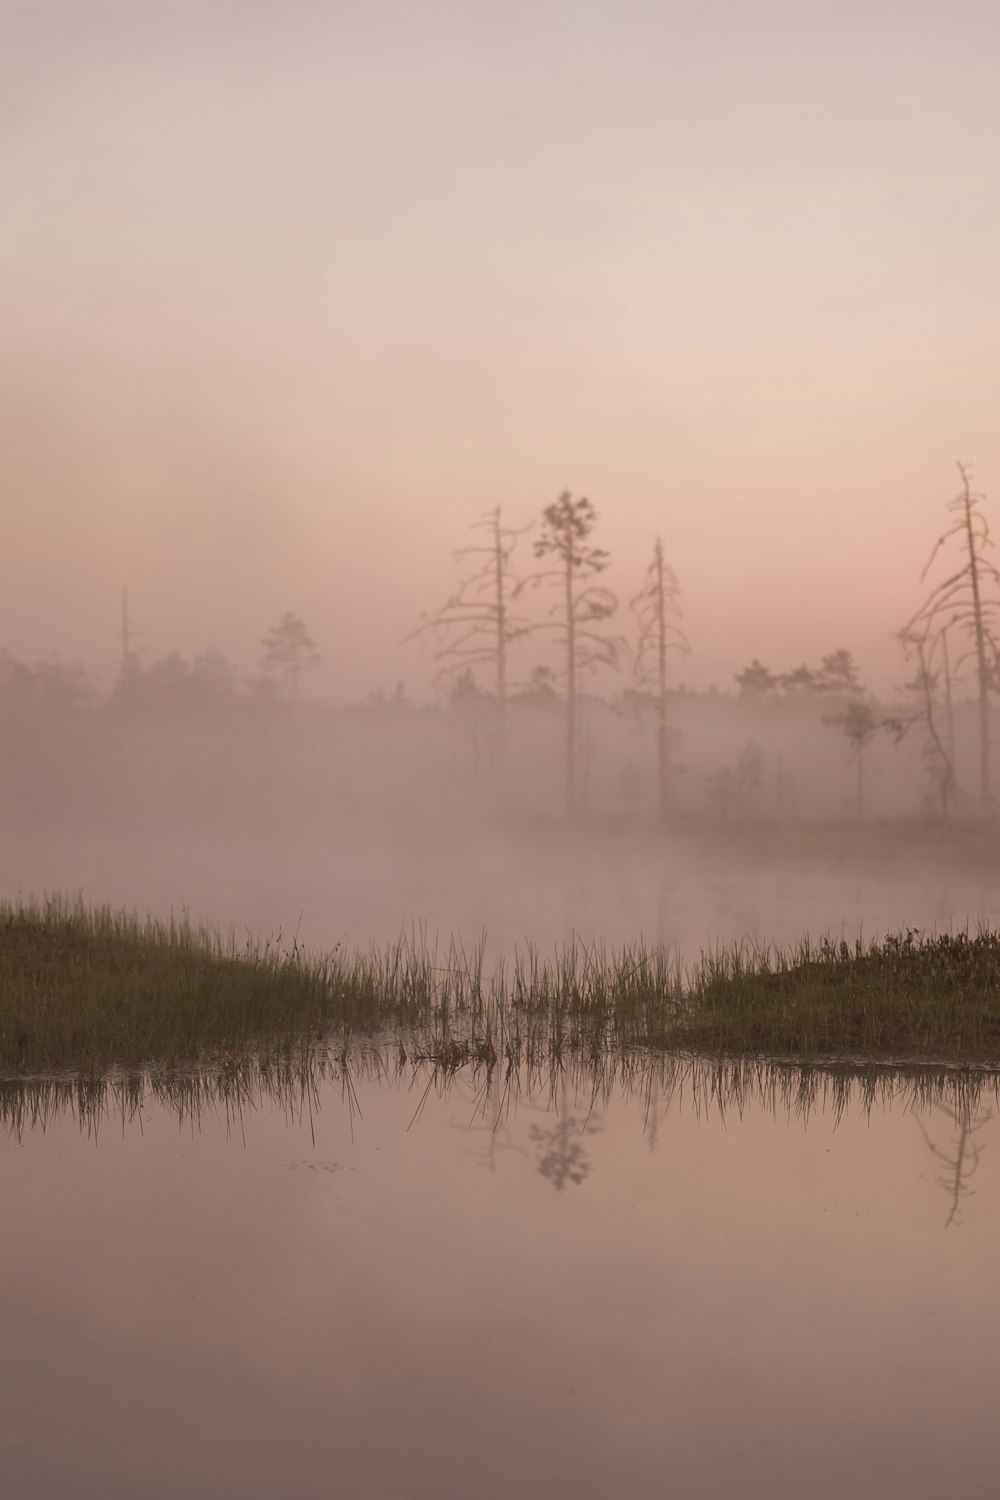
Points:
point(290, 294)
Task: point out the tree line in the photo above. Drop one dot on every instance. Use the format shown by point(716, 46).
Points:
point(954, 627)
point(478, 624)
point(957, 622)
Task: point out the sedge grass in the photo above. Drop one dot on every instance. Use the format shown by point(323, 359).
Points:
point(86, 990)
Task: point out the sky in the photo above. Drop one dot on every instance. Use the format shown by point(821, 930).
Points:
point(290, 294)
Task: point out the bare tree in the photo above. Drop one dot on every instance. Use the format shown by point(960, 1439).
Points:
point(477, 619)
point(288, 647)
point(930, 656)
point(566, 527)
point(127, 688)
point(968, 599)
point(127, 636)
point(657, 609)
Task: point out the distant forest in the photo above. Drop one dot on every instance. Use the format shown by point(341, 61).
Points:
point(782, 741)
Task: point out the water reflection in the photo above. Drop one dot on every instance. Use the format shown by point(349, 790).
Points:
point(493, 1138)
point(566, 1103)
point(560, 1153)
point(298, 1087)
point(961, 1159)
point(669, 1276)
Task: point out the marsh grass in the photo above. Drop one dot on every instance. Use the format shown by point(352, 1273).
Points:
point(84, 991)
point(908, 997)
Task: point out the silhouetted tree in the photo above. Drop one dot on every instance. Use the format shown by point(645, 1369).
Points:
point(465, 690)
point(477, 619)
point(129, 657)
point(170, 682)
point(52, 686)
point(937, 737)
point(164, 680)
point(540, 689)
point(859, 726)
point(213, 678)
point(967, 599)
point(394, 702)
point(566, 527)
point(288, 647)
point(720, 792)
point(749, 781)
point(838, 675)
point(799, 683)
point(128, 687)
point(756, 681)
point(472, 709)
point(737, 791)
point(657, 609)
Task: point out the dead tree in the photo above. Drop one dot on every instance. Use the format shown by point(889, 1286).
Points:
point(127, 635)
point(477, 622)
point(930, 655)
point(130, 670)
point(566, 527)
point(657, 610)
point(968, 599)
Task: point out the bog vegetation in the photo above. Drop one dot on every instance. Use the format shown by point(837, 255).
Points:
point(84, 991)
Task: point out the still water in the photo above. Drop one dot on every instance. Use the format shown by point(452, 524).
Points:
point(543, 887)
point(406, 1289)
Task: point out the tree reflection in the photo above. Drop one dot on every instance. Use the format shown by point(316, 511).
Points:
point(651, 1124)
point(489, 1123)
point(562, 1156)
point(961, 1162)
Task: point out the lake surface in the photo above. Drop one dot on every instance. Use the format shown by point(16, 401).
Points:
point(544, 886)
point(405, 1289)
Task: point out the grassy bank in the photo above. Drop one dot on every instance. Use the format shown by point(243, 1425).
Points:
point(86, 990)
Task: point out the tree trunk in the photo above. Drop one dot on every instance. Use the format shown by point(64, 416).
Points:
point(661, 703)
point(501, 649)
point(570, 686)
point(985, 796)
point(948, 708)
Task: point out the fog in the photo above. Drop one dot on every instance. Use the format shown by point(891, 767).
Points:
point(466, 472)
point(361, 823)
point(292, 297)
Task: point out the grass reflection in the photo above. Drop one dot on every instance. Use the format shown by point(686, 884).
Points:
point(302, 1082)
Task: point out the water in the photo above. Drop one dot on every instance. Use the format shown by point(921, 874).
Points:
point(685, 894)
point(409, 1290)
